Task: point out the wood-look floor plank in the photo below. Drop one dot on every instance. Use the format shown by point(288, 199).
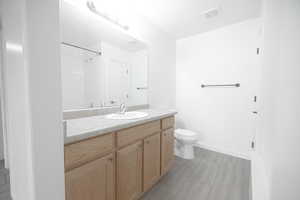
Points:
point(210, 176)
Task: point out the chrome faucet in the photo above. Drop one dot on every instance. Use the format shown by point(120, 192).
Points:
point(123, 108)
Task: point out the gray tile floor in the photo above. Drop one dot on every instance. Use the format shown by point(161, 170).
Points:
point(4, 182)
point(210, 176)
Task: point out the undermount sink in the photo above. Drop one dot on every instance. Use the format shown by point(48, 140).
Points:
point(127, 115)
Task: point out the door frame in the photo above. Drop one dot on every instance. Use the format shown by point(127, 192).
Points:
point(124, 63)
point(2, 104)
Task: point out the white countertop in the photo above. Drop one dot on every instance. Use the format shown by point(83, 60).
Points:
point(83, 128)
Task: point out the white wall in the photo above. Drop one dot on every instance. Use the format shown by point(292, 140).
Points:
point(221, 116)
point(280, 125)
point(139, 78)
point(32, 81)
point(94, 78)
point(117, 80)
point(73, 78)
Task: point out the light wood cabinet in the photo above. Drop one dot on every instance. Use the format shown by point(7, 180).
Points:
point(167, 123)
point(121, 165)
point(167, 150)
point(129, 172)
point(151, 161)
point(92, 181)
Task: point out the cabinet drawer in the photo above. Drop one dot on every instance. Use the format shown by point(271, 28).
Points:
point(88, 150)
point(167, 122)
point(136, 133)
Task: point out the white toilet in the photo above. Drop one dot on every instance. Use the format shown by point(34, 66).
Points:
point(184, 143)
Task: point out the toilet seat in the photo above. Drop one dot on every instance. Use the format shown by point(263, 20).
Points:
point(185, 134)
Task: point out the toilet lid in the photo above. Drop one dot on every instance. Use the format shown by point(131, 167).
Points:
point(185, 133)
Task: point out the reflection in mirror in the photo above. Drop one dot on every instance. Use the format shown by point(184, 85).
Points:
point(102, 65)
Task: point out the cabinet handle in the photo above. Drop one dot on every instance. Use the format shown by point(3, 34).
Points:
point(110, 159)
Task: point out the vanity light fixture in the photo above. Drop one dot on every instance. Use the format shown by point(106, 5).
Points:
point(91, 6)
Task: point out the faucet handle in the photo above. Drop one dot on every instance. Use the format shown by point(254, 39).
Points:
point(122, 108)
point(112, 102)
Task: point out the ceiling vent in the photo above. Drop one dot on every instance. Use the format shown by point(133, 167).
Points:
point(211, 13)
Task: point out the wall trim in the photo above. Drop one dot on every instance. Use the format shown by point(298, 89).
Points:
point(259, 178)
point(224, 151)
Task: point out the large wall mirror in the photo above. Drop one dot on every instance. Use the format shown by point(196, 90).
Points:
point(102, 66)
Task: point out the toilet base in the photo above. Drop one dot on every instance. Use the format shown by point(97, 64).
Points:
point(185, 151)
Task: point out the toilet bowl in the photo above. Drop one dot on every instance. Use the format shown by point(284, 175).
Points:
point(184, 143)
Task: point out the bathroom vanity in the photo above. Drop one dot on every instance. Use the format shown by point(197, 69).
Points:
point(120, 159)
point(102, 67)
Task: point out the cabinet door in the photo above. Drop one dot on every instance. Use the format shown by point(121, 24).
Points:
point(129, 172)
point(151, 160)
point(92, 181)
point(167, 150)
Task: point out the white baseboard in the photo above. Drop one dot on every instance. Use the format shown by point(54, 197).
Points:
point(220, 150)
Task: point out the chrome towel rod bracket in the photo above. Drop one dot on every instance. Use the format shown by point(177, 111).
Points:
point(142, 88)
point(222, 85)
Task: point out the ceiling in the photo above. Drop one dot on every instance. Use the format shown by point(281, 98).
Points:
point(182, 18)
